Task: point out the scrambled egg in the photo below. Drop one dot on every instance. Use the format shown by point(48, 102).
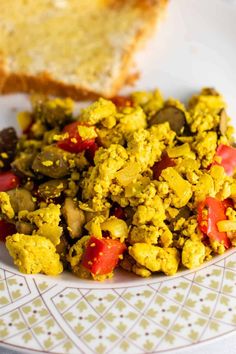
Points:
point(34, 254)
point(155, 171)
point(98, 111)
point(156, 258)
point(6, 206)
point(193, 253)
point(98, 179)
point(46, 221)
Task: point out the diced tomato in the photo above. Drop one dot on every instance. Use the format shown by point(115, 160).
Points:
point(228, 203)
point(6, 229)
point(8, 180)
point(202, 219)
point(122, 101)
point(228, 158)
point(210, 211)
point(102, 255)
point(161, 165)
point(90, 153)
point(73, 142)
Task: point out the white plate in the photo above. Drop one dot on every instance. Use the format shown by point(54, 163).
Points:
point(194, 47)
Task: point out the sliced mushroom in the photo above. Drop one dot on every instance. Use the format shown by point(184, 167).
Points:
point(24, 227)
point(223, 122)
point(129, 213)
point(184, 212)
point(173, 115)
point(22, 165)
point(52, 162)
point(53, 115)
point(74, 217)
point(21, 199)
point(8, 142)
point(52, 189)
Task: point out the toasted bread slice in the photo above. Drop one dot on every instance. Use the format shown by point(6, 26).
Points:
point(76, 48)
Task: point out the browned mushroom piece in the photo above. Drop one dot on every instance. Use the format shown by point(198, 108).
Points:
point(24, 227)
point(22, 165)
point(21, 199)
point(184, 212)
point(74, 218)
point(173, 115)
point(223, 122)
point(8, 142)
point(53, 116)
point(52, 189)
point(52, 162)
point(129, 213)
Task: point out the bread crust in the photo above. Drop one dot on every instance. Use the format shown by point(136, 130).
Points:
point(13, 83)
point(45, 83)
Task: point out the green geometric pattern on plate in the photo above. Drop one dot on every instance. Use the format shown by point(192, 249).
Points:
point(159, 316)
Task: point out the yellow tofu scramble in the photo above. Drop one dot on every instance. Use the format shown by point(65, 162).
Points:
point(138, 182)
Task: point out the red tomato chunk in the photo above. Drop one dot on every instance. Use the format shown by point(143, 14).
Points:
point(210, 211)
point(122, 101)
point(8, 180)
point(102, 255)
point(161, 165)
point(228, 158)
point(73, 142)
